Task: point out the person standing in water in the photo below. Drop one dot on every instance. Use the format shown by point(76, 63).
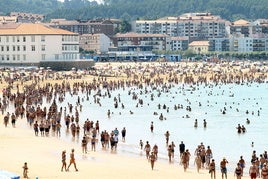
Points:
point(152, 127)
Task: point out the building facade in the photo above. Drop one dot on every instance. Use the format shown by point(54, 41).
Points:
point(196, 26)
point(179, 43)
point(99, 43)
point(243, 28)
point(97, 26)
point(27, 17)
point(219, 44)
point(249, 44)
point(157, 41)
point(28, 43)
point(8, 19)
point(199, 47)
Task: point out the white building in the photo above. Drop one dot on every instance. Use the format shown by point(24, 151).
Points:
point(157, 41)
point(99, 43)
point(34, 43)
point(249, 44)
point(192, 25)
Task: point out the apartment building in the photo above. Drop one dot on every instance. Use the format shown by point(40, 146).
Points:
point(27, 43)
point(196, 26)
point(179, 43)
point(243, 28)
point(219, 44)
point(249, 44)
point(97, 26)
point(157, 41)
point(23, 17)
point(99, 43)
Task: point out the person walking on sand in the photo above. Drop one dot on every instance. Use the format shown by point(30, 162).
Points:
point(264, 171)
point(72, 161)
point(169, 149)
point(242, 163)
point(198, 162)
point(13, 120)
point(238, 171)
point(185, 160)
point(212, 169)
point(253, 170)
point(25, 170)
point(152, 159)
point(223, 168)
point(6, 119)
point(63, 160)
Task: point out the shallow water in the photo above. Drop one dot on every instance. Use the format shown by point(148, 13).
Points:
point(220, 134)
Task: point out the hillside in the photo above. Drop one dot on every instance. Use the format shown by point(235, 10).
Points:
point(138, 9)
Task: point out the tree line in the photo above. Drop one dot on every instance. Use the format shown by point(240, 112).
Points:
point(139, 9)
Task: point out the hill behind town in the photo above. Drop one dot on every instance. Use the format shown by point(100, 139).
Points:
point(138, 9)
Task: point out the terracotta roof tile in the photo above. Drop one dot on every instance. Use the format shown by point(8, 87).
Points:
point(30, 29)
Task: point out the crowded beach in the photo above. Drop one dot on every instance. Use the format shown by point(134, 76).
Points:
point(33, 123)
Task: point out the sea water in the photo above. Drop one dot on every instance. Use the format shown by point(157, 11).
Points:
point(206, 102)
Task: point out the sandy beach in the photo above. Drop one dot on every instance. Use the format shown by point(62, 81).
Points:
point(43, 155)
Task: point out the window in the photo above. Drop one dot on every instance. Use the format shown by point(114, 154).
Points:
point(43, 38)
point(18, 57)
point(2, 57)
point(18, 48)
point(14, 57)
point(2, 48)
point(18, 38)
point(7, 38)
point(24, 39)
point(56, 56)
point(14, 48)
point(7, 48)
point(43, 56)
point(13, 38)
point(33, 47)
point(32, 38)
point(24, 57)
point(24, 48)
point(7, 57)
point(43, 48)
